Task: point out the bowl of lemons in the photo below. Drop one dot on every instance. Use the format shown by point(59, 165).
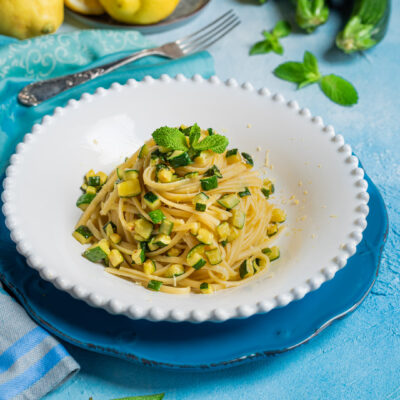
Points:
point(148, 16)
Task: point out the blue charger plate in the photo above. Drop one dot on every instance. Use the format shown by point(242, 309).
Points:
point(207, 345)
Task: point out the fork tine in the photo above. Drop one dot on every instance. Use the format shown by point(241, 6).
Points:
point(215, 30)
point(223, 16)
point(204, 44)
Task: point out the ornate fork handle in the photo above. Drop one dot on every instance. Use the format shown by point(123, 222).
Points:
point(37, 92)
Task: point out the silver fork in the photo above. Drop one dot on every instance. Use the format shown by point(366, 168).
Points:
point(37, 92)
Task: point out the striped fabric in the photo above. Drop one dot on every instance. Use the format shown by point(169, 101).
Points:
point(32, 363)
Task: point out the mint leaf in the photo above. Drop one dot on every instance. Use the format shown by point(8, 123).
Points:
point(159, 396)
point(216, 143)
point(339, 90)
point(282, 29)
point(194, 134)
point(171, 138)
point(261, 48)
point(291, 71)
point(271, 41)
point(310, 62)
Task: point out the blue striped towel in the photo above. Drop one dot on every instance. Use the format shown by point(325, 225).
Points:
point(32, 362)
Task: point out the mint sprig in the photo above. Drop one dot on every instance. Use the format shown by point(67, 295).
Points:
point(170, 138)
point(174, 139)
point(304, 73)
point(271, 39)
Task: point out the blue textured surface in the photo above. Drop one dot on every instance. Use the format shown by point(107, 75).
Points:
point(358, 357)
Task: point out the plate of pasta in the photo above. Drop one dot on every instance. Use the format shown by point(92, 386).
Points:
point(141, 202)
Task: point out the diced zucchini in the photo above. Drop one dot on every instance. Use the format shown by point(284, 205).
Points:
point(238, 218)
point(185, 129)
point(156, 157)
point(233, 156)
point(89, 174)
point(194, 228)
point(156, 216)
point(91, 190)
point(179, 158)
point(174, 270)
point(138, 238)
point(194, 257)
point(248, 160)
point(223, 231)
point(152, 200)
point(191, 175)
point(143, 228)
point(154, 285)
point(103, 177)
point(144, 246)
point(98, 251)
point(200, 201)
point(84, 201)
point(256, 267)
point(120, 173)
point(109, 228)
point(83, 234)
point(176, 177)
point(203, 158)
point(272, 229)
point(166, 227)
point(174, 252)
point(163, 149)
point(213, 256)
point(115, 257)
point(229, 201)
point(205, 288)
point(246, 269)
point(93, 181)
point(245, 192)
point(273, 253)
point(268, 188)
point(151, 244)
point(209, 183)
point(210, 131)
point(129, 188)
point(162, 240)
point(260, 262)
point(149, 267)
point(213, 171)
point(138, 257)
point(164, 173)
point(234, 234)
point(144, 151)
point(84, 187)
point(131, 174)
point(205, 236)
point(278, 215)
point(115, 238)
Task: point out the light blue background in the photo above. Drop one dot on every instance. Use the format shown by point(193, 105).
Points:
point(358, 357)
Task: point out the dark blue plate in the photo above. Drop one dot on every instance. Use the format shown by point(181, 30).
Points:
point(206, 345)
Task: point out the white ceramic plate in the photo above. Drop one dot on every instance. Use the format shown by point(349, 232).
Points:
point(98, 131)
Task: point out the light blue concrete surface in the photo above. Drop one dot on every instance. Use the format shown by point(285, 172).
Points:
point(358, 357)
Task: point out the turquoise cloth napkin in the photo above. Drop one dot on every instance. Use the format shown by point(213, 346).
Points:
point(55, 55)
point(32, 363)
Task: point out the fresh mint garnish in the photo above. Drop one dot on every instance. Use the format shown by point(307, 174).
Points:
point(174, 139)
point(170, 138)
point(304, 73)
point(216, 143)
point(271, 41)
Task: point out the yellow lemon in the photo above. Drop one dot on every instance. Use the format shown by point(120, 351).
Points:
point(23, 19)
point(139, 11)
point(88, 7)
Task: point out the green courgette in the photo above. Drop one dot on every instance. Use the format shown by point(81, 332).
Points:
point(366, 27)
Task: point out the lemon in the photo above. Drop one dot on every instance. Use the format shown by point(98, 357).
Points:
point(139, 11)
point(23, 19)
point(88, 7)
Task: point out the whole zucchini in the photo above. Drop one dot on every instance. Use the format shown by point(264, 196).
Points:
point(311, 13)
point(366, 27)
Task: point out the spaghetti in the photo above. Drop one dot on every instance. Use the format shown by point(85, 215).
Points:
point(180, 221)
